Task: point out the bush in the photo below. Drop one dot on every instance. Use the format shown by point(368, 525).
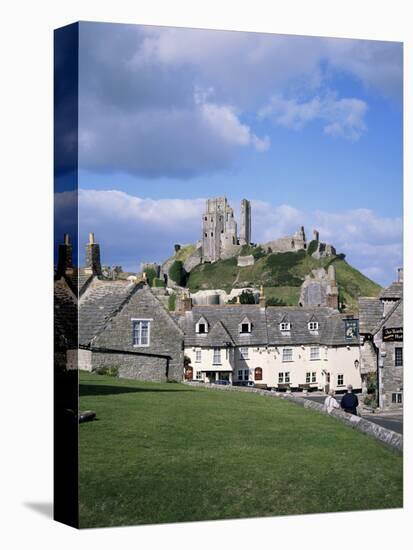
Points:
point(158, 283)
point(177, 273)
point(312, 247)
point(107, 371)
point(275, 302)
point(172, 302)
point(150, 275)
point(246, 297)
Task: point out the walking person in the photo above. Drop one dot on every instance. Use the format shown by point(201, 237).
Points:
point(349, 401)
point(330, 402)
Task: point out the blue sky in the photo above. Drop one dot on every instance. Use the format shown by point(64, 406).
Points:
point(309, 129)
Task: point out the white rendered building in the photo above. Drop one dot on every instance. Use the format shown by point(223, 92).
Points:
point(273, 347)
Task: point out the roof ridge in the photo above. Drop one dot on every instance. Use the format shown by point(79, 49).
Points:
point(380, 324)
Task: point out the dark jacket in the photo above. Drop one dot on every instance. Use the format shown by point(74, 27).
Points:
point(349, 403)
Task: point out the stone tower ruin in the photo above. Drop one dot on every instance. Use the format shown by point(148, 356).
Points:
point(245, 223)
point(219, 230)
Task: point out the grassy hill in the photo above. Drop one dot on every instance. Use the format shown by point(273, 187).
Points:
point(282, 275)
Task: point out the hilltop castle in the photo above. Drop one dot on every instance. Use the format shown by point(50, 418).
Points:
point(219, 229)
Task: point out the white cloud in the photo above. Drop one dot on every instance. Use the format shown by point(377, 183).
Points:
point(134, 229)
point(343, 117)
point(171, 102)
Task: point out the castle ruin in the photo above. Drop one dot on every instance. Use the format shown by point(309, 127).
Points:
point(219, 229)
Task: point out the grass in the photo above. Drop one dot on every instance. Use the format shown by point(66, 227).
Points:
point(168, 452)
point(284, 272)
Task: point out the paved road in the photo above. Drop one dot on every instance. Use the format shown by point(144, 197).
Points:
point(391, 421)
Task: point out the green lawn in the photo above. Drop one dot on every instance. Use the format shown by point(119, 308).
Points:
point(169, 452)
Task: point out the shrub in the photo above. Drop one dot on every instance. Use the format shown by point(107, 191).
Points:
point(312, 247)
point(172, 302)
point(107, 371)
point(177, 273)
point(158, 283)
point(275, 302)
point(150, 275)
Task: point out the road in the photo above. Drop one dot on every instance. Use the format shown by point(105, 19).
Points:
point(390, 420)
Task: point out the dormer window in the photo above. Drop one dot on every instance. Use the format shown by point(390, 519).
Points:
point(245, 326)
point(313, 326)
point(202, 326)
point(285, 326)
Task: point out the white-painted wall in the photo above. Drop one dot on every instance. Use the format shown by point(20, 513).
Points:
point(334, 360)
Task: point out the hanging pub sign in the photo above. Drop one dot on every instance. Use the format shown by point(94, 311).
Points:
point(394, 334)
point(352, 328)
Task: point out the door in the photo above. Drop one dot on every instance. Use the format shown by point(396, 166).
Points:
point(189, 372)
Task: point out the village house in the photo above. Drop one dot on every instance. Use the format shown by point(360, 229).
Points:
point(120, 323)
point(381, 339)
point(271, 347)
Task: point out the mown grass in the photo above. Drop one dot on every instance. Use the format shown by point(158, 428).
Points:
point(168, 452)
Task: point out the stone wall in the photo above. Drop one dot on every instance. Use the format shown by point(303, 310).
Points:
point(244, 261)
point(151, 369)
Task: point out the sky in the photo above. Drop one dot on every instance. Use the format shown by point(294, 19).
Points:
point(308, 129)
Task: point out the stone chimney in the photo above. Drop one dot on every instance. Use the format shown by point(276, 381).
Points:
point(316, 235)
point(187, 303)
point(93, 256)
point(64, 262)
point(263, 301)
point(400, 275)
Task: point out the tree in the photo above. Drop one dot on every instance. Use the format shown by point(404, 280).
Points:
point(177, 273)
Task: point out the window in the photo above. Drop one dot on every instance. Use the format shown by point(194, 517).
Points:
point(283, 377)
point(199, 375)
point(287, 354)
point(396, 398)
point(202, 326)
point(245, 327)
point(398, 357)
point(285, 327)
point(198, 356)
point(243, 353)
point(307, 377)
point(243, 374)
point(340, 380)
point(314, 353)
point(313, 325)
point(217, 356)
point(140, 332)
point(313, 377)
point(258, 373)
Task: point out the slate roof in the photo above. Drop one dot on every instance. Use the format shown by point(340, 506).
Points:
point(79, 280)
point(265, 326)
point(393, 319)
point(230, 316)
point(370, 314)
point(65, 316)
point(99, 303)
point(393, 292)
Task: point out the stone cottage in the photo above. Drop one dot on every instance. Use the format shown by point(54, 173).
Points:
point(120, 323)
point(381, 343)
